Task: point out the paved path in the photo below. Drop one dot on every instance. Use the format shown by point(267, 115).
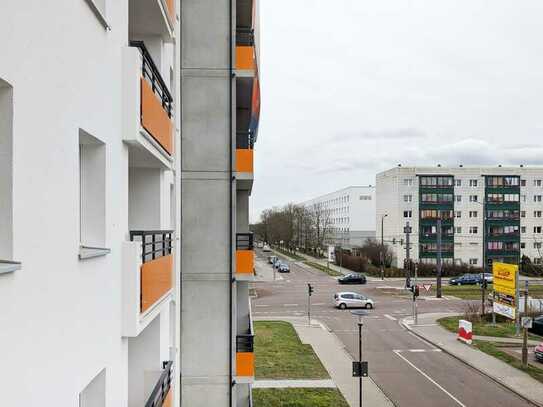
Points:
point(531, 342)
point(272, 384)
point(508, 376)
point(337, 362)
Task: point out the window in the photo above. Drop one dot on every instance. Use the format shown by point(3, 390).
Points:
point(473, 230)
point(458, 230)
point(437, 198)
point(472, 214)
point(407, 214)
point(473, 198)
point(408, 198)
point(365, 197)
point(408, 182)
point(472, 182)
point(92, 191)
point(538, 260)
point(523, 229)
point(522, 214)
point(522, 245)
point(98, 7)
point(537, 245)
point(473, 262)
point(523, 198)
point(458, 198)
point(537, 182)
point(94, 394)
point(522, 182)
point(537, 198)
point(537, 214)
point(537, 229)
point(458, 214)
point(6, 171)
point(500, 181)
point(458, 182)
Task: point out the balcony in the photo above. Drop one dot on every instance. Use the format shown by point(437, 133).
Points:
point(246, 58)
point(245, 257)
point(245, 357)
point(9, 266)
point(148, 108)
point(162, 393)
point(147, 277)
point(244, 152)
point(152, 18)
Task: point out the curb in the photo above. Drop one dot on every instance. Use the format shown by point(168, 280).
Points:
point(494, 379)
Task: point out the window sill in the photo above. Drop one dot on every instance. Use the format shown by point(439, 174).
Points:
point(86, 252)
point(9, 266)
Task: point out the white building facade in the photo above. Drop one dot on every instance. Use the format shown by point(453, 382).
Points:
point(88, 196)
point(349, 214)
point(486, 213)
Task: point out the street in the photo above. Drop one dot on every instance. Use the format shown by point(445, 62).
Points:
point(410, 371)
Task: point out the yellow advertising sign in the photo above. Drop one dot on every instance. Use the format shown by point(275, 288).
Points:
point(505, 278)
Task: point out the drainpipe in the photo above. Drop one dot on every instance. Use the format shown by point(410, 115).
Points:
point(231, 203)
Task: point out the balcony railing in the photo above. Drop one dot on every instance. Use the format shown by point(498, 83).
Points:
point(245, 241)
point(157, 264)
point(161, 395)
point(245, 357)
point(245, 36)
point(156, 101)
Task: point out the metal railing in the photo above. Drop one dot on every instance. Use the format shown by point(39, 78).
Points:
point(160, 391)
point(245, 343)
point(245, 140)
point(160, 243)
point(152, 74)
point(244, 241)
point(245, 36)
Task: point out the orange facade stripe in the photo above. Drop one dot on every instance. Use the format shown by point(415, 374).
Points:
point(170, 4)
point(245, 59)
point(156, 280)
point(154, 118)
point(244, 160)
point(245, 261)
point(245, 364)
point(168, 401)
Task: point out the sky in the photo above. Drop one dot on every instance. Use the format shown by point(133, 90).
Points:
point(351, 88)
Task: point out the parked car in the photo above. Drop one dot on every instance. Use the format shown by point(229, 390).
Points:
point(260, 245)
point(538, 352)
point(466, 279)
point(283, 268)
point(277, 263)
point(266, 248)
point(272, 259)
point(352, 278)
point(537, 326)
point(352, 300)
point(488, 277)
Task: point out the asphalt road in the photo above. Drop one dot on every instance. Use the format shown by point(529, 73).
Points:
point(409, 371)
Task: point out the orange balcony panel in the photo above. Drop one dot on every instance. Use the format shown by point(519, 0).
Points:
point(245, 261)
point(168, 401)
point(245, 364)
point(154, 118)
point(156, 280)
point(244, 160)
point(170, 4)
point(245, 59)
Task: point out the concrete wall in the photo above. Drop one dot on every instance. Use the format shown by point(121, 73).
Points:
point(6, 171)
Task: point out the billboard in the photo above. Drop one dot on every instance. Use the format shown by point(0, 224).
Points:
point(505, 289)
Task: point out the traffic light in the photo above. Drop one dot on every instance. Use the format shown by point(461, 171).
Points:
point(309, 289)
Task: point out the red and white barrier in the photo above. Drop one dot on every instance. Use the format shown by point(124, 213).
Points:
point(465, 331)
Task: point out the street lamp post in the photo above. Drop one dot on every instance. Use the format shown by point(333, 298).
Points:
point(361, 372)
point(381, 253)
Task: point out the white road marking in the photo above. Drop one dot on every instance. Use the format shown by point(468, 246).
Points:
point(290, 305)
point(261, 305)
point(390, 317)
point(417, 350)
point(430, 379)
point(319, 303)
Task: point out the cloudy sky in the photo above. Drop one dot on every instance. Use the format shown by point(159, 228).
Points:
point(353, 87)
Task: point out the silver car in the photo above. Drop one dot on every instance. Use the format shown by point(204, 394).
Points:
point(352, 300)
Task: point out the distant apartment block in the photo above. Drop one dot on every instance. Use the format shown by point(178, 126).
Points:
point(487, 213)
point(349, 214)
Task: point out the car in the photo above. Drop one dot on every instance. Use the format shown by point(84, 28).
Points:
point(277, 263)
point(466, 279)
point(352, 300)
point(352, 278)
point(266, 248)
point(489, 278)
point(283, 268)
point(272, 259)
point(537, 325)
point(260, 245)
point(538, 352)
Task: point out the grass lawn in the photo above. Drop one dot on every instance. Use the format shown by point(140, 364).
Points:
point(288, 254)
point(322, 268)
point(473, 292)
point(492, 349)
point(297, 397)
point(279, 354)
point(503, 329)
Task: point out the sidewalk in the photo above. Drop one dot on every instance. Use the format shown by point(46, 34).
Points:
point(337, 362)
point(510, 377)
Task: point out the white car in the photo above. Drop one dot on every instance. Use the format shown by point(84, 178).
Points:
point(352, 300)
point(266, 248)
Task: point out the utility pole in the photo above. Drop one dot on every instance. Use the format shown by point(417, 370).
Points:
point(524, 329)
point(381, 253)
point(309, 292)
point(407, 231)
point(438, 282)
point(360, 361)
point(415, 295)
point(517, 304)
point(483, 280)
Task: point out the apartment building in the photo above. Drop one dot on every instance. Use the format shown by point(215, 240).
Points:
point(89, 233)
point(487, 213)
point(348, 213)
point(220, 111)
